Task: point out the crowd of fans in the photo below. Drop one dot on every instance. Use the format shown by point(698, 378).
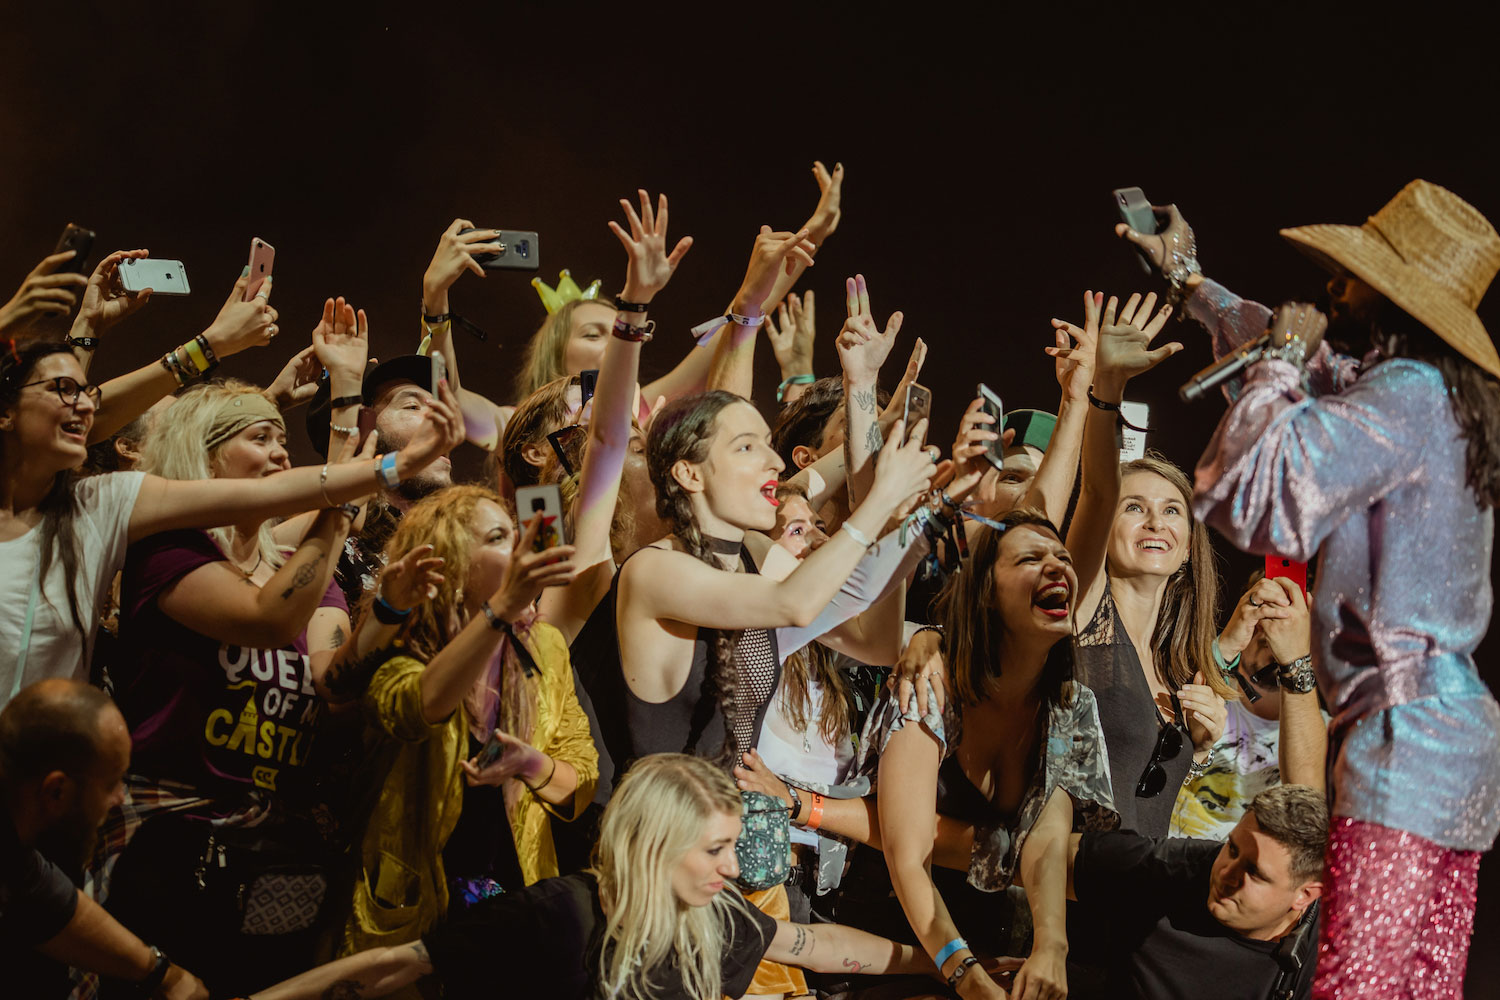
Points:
point(800, 706)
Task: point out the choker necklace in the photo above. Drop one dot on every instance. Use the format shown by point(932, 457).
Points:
point(722, 546)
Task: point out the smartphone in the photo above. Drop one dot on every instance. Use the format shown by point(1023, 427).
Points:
point(493, 750)
point(1133, 442)
point(1136, 212)
point(1279, 566)
point(523, 251)
point(439, 371)
point(79, 240)
point(262, 256)
point(545, 500)
point(162, 276)
point(918, 406)
point(993, 450)
point(588, 380)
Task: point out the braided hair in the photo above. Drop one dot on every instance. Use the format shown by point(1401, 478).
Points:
point(682, 431)
point(58, 507)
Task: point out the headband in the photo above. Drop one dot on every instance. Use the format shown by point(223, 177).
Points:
point(239, 412)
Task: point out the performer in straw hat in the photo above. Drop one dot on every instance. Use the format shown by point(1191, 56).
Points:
point(1387, 468)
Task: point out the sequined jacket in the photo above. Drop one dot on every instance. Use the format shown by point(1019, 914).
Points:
point(1362, 467)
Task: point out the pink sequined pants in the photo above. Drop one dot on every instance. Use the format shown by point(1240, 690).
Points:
point(1397, 914)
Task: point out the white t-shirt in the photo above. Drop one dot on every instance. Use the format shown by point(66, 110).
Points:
point(56, 649)
point(803, 753)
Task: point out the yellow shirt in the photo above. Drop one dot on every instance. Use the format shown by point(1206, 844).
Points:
point(401, 890)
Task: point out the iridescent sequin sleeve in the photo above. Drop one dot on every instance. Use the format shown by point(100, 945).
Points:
point(1283, 470)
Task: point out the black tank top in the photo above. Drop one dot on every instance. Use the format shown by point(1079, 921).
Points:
point(689, 721)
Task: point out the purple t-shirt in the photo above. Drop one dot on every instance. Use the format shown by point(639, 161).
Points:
point(214, 715)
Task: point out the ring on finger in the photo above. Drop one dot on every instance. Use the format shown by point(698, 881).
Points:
point(272, 330)
point(1250, 600)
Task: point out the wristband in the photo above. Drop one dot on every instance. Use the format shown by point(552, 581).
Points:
point(947, 951)
point(630, 307)
point(385, 471)
point(1197, 770)
point(634, 334)
point(174, 368)
point(815, 816)
point(351, 509)
point(1225, 666)
point(87, 343)
point(550, 774)
point(807, 378)
point(796, 806)
point(196, 356)
point(496, 622)
point(856, 534)
point(709, 327)
point(146, 987)
point(1297, 677)
point(208, 351)
point(387, 615)
point(961, 970)
point(435, 320)
point(342, 401)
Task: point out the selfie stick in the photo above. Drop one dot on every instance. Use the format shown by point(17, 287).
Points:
point(1224, 369)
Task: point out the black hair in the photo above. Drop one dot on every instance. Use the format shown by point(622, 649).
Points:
point(803, 421)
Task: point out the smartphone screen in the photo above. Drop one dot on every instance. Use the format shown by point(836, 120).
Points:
point(1280, 566)
point(918, 406)
point(262, 256)
point(544, 500)
point(993, 451)
point(1135, 211)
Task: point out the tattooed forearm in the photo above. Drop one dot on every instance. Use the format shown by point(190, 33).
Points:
point(853, 965)
point(864, 399)
point(305, 574)
point(801, 940)
point(874, 440)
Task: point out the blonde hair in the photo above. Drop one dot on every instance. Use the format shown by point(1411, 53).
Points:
point(549, 345)
point(177, 448)
point(442, 520)
point(656, 816)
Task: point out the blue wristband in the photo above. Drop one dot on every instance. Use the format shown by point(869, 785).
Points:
point(386, 471)
point(956, 945)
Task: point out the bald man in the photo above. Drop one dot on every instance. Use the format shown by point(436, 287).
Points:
point(64, 749)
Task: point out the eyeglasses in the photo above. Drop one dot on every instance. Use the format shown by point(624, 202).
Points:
point(67, 389)
point(1168, 745)
point(566, 444)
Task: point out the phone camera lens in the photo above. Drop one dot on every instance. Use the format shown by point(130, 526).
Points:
point(538, 504)
point(169, 275)
point(523, 248)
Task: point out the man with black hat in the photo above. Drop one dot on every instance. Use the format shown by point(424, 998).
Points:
point(1387, 470)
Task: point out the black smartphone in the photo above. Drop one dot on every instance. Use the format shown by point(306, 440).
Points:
point(79, 240)
point(1136, 213)
point(918, 406)
point(492, 751)
point(994, 451)
point(588, 379)
point(523, 251)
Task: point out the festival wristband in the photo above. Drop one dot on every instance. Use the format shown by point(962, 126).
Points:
point(630, 307)
point(339, 402)
point(815, 816)
point(807, 378)
point(948, 951)
point(1225, 666)
point(87, 343)
point(703, 331)
point(196, 356)
point(635, 334)
point(387, 615)
point(856, 534)
point(385, 471)
point(208, 351)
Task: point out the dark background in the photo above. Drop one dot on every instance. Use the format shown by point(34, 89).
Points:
point(980, 152)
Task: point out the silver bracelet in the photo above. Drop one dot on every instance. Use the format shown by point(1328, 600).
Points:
point(323, 487)
point(1197, 770)
point(341, 429)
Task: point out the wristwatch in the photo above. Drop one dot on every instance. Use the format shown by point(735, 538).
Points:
point(146, 987)
point(1297, 677)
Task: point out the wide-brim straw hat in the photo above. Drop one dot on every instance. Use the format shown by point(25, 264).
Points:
point(1428, 251)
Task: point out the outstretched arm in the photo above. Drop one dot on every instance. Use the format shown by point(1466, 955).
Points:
point(733, 364)
point(373, 973)
point(836, 948)
point(94, 941)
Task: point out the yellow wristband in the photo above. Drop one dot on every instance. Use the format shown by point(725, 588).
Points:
point(195, 353)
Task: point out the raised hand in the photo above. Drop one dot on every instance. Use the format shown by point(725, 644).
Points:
point(455, 255)
point(105, 300)
point(297, 382)
point(863, 346)
point(905, 467)
point(1075, 362)
point(772, 253)
point(825, 218)
point(1297, 329)
point(1289, 634)
point(754, 775)
point(43, 293)
point(1173, 247)
point(1204, 712)
point(648, 266)
point(531, 572)
point(1124, 350)
point(919, 673)
point(242, 324)
point(342, 341)
point(792, 335)
point(441, 430)
point(975, 431)
point(412, 579)
point(1262, 601)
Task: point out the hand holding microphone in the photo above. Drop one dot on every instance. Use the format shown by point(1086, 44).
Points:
point(1294, 335)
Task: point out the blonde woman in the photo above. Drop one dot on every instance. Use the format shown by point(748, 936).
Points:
point(472, 661)
point(657, 917)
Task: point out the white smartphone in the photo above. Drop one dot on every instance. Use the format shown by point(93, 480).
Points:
point(162, 276)
point(262, 256)
point(439, 371)
point(1133, 443)
point(545, 500)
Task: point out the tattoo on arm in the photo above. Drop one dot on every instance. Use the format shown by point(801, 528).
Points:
point(865, 399)
point(337, 639)
point(874, 440)
point(854, 965)
point(801, 941)
point(305, 574)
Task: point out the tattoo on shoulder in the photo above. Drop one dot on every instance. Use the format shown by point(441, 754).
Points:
point(344, 989)
point(305, 574)
point(801, 940)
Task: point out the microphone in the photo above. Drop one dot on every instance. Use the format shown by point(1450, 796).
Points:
point(1226, 368)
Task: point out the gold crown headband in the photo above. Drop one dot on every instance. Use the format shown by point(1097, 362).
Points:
point(567, 290)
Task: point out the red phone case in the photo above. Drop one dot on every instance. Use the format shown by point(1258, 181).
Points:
point(1280, 566)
